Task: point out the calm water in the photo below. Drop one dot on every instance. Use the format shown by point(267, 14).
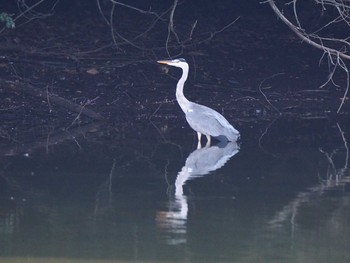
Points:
point(280, 195)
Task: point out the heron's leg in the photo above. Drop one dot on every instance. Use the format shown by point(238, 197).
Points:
point(199, 135)
point(208, 141)
point(199, 145)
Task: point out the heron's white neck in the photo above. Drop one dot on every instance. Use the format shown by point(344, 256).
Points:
point(181, 99)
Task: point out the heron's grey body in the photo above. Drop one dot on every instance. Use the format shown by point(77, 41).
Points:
point(202, 119)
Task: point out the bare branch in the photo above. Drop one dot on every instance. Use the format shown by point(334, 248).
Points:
point(335, 56)
point(304, 36)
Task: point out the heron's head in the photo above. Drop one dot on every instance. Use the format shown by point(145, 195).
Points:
point(178, 62)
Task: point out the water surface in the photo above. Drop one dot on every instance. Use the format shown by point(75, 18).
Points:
point(279, 195)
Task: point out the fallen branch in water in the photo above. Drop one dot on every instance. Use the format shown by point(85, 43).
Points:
point(44, 94)
point(53, 138)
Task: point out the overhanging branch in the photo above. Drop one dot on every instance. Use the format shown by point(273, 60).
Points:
point(303, 36)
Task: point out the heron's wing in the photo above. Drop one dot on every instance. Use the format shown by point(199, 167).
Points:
point(208, 121)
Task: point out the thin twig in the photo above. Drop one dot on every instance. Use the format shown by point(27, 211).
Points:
point(192, 29)
point(171, 27)
point(48, 98)
point(346, 91)
point(345, 145)
point(89, 102)
point(227, 26)
point(134, 8)
point(260, 89)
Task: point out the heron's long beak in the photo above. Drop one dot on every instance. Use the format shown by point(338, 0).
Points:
point(163, 62)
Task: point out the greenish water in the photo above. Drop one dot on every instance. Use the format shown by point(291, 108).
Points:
point(277, 196)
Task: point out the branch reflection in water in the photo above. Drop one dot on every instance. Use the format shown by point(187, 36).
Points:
point(336, 178)
point(200, 162)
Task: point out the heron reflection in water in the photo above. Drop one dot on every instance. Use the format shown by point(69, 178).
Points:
point(200, 162)
point(202, 119)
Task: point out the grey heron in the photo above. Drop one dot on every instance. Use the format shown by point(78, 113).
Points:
point(202, 119)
